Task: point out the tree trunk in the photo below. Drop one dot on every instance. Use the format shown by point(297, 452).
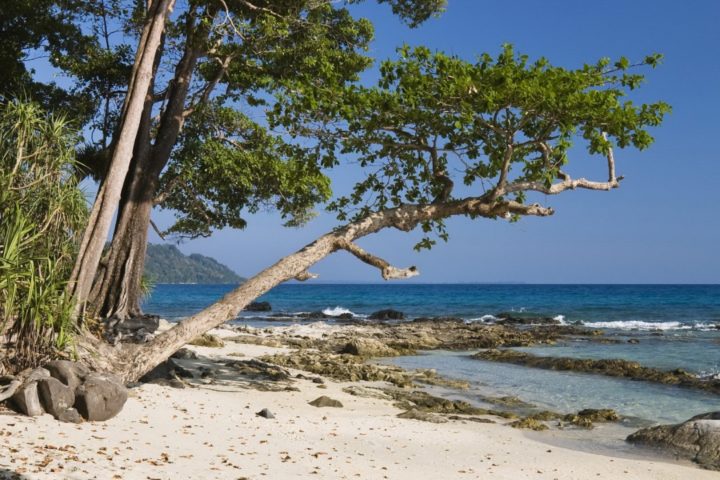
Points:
point(131, 362)
point(108, 196)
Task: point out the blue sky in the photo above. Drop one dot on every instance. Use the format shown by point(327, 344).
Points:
point(661, 226)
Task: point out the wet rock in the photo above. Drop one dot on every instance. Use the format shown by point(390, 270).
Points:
point(185, 354)
point(599, 415)
point(341, 367)
point(265, 413)
point(55, 396)
point(101, 397)
point(424, 402)
point(387, 314)
point(258, 307)
point(633, 340)
point(325, 401)
point(208, 340)
point(697, 439)
point(414, 414)
point(368, 347)
point(72, 374)
point(70, 416)
point(529, 423)
point(520, 319)
point(608, 367)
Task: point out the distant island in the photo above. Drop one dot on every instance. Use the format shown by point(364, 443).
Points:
point(167, 264)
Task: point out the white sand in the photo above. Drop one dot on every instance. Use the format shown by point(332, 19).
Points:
point(212, 432)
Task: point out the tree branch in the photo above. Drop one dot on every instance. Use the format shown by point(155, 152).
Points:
point(388, 271)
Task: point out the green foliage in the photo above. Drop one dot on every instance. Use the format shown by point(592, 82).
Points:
point(41, 213)
point(434, 120)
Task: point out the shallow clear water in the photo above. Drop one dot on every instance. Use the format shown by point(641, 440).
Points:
point(566, 392)
point(676, 326)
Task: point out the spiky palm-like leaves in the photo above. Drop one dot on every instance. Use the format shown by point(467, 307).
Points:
point(41, 213)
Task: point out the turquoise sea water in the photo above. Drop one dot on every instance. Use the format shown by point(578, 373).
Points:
point(676, 326)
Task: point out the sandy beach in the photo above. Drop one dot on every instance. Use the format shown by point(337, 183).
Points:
point(211, 431)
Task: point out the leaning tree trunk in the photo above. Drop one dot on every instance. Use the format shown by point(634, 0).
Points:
point(131, 362)
point(108, 196)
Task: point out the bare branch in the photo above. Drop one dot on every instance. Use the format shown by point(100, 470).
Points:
point(388, 271)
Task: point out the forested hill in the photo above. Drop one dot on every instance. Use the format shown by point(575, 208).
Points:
point(167, 264)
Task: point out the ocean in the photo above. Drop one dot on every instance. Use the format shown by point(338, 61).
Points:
point(676, 326)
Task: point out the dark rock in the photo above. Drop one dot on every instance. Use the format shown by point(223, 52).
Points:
point(633, 340)
point(181, 371)
point(72, 374)
point(265, 413)
point(70, 416)
point(258, 307)
point(325, 401)
point(101, 397)
point(185, 354)
point(55, 396)
point(26, 399)
point(529, 423)
point(697, 439)
point(318, 380)
point(138, 329)
point(438, 319)
point(387, 314)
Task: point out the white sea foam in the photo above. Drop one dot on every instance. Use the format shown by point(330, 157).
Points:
point(560, 318)
point(484, 319)
point(337, 311)
point(640, 325)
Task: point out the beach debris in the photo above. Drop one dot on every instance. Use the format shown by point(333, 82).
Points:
point(208, 340)
point(387, 314)
point(258, 307)
point(414, 414)
point(326, 401)
point(265, 413)
point(697, 439)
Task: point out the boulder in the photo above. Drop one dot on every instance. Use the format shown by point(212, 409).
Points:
point(26, 399)
point(72, 374)
point(55, 396)
point(697, 439)
point(325, 401)
point(70, 416)
point(258, 307)
point(387, 314)
point(101, 397)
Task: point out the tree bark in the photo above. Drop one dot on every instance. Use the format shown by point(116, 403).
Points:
point(109, 194)
point(118, 290)
point(131, 362)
